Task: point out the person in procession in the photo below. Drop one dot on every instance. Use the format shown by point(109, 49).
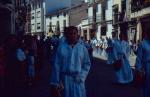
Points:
point(72, 65)
point(109, 51)
point(143, 62)
point(121, 52)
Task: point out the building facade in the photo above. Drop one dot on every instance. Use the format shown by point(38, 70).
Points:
point(119, 11)
point(37, 17)
point(7, 18)
point(70, 16)
point(28, 18)
point(130, 16)
point(21, 13)
point(103, 20)
point(56, 22)
point(139, 19)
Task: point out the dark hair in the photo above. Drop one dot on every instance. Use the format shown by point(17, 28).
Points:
point(69, 29)
point(124, 36)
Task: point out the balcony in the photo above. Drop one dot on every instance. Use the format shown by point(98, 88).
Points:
point(140, 13)
point(140, 8)
point(137, 5)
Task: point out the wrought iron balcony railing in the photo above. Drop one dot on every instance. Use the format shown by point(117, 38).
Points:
point(137, 5)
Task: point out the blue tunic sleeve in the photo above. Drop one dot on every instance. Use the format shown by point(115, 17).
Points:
point(139, 63)
point(85, 66)
point(55, 74)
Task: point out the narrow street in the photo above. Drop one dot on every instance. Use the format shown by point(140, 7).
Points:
point(98, 84)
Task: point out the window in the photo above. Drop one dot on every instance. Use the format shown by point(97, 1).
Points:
point(33, 6)
point(64, 22)
point(96, 7)
point(64, 14)
point(85, 34)
point(32, 27)
point(32, 16)
point(58, 16)
point(123, 3)
point(103, 30)
point(103, 13)
point(139, 4)
point(50, 27)
point(38, 14)
point(57, 26)
point(39, 4)
point(87, 10)
point(38, 26)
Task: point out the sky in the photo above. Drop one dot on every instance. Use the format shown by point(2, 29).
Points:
point(53, 5)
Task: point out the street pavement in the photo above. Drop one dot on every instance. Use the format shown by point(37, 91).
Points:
point(100, 82)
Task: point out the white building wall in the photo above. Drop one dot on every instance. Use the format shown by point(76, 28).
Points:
point(84, 26)
point(99, 9)
point(109, 18)
point(33, 26)
point(38, 11)
point(90, 11)
point(44, 15)
point(85, 0)
point(109, 10)
point(39, 20)
point(61, 19)
point(53, 21)
point(67, 20)
point(47, 24)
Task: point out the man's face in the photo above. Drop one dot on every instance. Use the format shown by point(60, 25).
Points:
point(72, 36)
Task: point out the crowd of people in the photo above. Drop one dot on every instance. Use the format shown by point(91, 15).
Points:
point(70, 58)
point(118, 52)
point(22, 58)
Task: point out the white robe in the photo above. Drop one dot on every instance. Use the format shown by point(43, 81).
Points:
point(143, 61)
point(121, 50)
point(71, 68)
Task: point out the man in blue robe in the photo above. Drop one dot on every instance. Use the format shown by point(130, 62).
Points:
point(71, 67)
point(143, 62)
